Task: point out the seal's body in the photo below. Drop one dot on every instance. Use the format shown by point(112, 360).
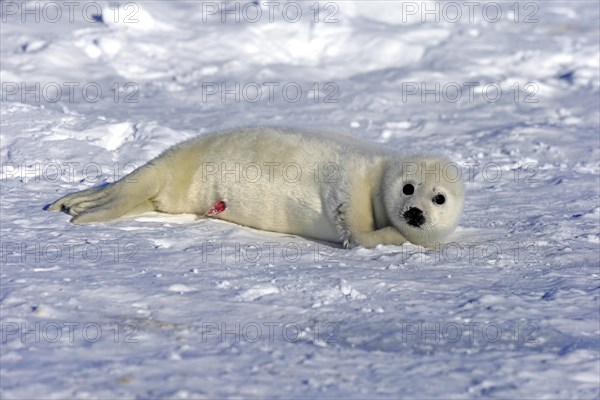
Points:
point(319, 185)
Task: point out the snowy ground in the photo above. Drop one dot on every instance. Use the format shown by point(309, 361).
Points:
point(167, 307)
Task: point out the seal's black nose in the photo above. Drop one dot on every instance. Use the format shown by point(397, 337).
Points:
point(414, 216)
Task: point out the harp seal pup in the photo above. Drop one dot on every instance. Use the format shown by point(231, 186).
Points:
point(308, 183)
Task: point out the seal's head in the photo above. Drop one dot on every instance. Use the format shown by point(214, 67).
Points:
point(423, 197)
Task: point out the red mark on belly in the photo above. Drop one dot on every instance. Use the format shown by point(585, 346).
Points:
point(218, 208)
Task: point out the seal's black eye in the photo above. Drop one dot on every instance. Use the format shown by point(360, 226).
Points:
point(439, 199)
point(408, 189)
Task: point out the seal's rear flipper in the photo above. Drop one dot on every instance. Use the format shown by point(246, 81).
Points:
point(111, 210)
point(132, 194)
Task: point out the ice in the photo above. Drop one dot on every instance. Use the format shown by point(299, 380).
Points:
point(169, 306)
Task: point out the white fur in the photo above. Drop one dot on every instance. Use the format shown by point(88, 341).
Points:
point(319, 185)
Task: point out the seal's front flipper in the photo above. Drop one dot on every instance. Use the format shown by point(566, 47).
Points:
point(388, 235)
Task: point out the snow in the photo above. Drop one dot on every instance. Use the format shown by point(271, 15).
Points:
point(164, 306)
